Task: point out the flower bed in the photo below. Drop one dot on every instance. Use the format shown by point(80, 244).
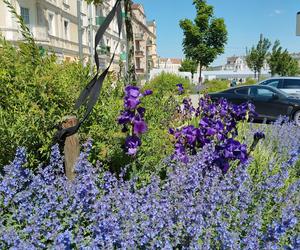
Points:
point(196, 206)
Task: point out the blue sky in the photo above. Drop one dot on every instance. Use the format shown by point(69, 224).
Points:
point(245, 20)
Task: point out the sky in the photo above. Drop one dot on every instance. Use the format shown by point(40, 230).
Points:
point(245, 21)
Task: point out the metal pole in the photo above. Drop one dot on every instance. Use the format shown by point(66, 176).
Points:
point(147, 66)
point(79, 30)
point(91, 37)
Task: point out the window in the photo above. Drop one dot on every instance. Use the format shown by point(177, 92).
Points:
point(25, 15)
point(66, 29)
point(51, 25)
point(272, 83)
point(242, 91)
point(261, 92)
point(291, 84)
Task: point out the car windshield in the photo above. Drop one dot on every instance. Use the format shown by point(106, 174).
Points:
point(282, 92)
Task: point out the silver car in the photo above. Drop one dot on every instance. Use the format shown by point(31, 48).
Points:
point(290, 85)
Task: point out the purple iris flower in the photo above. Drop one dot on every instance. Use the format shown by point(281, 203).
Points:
point(141, 111)
point(139, 127)
point(180, 88)
point(132, 91)
point(131, 103)
point(147, 92)
point(125, 117)
point(131, 144)
point(259, 135)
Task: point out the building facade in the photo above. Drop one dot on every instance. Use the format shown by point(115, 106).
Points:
point(55, 28)
point(170, 64)
point(144, 42)
point(53, 23)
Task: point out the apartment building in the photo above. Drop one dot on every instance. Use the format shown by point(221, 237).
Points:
point(110, 40)
point(144, 42)
point(54, 24)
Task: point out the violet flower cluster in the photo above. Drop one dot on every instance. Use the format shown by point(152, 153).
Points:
point(180, 88)
point(217, 126)
point(193, 208)
point(186, 110)
point(132, 118)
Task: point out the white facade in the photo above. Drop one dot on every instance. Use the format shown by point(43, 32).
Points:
point(54, 24)
point(211, 75)
point(170, 64)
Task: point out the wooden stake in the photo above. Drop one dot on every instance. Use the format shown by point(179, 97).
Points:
point(71, 147)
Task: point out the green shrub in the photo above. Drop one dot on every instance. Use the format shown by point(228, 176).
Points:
point(215, 86)
point(249, 81)
point(166, 83)
point(33, 99)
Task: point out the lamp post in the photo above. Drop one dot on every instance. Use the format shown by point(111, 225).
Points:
point(80, 48)
point(298, 24)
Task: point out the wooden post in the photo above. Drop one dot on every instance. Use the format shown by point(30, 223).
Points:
point(71, 147)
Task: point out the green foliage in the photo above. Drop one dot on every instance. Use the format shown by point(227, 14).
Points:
point(33, 99)
point(166, 83)
point(188, 65)
point(281, 62)
point(205, 38)
point(108, 139)
point(257, 56)
point(215, 86)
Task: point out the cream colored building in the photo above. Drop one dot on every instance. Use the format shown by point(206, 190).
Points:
point(54, 24)
point(144, 42)
point(170, 64)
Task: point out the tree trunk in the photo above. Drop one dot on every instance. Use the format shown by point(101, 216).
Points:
point(200, 72)
point(192, 76)
point(130, 75)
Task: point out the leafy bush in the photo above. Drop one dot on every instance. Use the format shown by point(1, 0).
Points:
point(166, 83)
point(33, 99)
point(249, 81)
point(214, 86)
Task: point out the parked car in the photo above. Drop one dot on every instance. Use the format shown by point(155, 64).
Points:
point(269, 102)
point(290, 85)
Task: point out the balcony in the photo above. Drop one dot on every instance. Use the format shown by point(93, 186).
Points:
point(139, 71)
point(139, 36)
point(139, 53)
point(100, 20)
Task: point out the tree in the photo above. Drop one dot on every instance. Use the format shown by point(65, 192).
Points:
point(258, 55)
point(251, 58)
point(281, 62)
point(205, 37)
point(188, 65)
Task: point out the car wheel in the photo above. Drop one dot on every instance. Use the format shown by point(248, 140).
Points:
point(296, 118)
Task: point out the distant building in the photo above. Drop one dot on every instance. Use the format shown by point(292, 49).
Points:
point(144, 42)
point(170, 64)
point(238, 63)
point(296, 56)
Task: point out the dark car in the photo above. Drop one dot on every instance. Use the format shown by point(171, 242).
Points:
point(269, 102)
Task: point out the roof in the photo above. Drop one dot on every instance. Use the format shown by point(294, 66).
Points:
point(135, 6)
point(173, 60)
